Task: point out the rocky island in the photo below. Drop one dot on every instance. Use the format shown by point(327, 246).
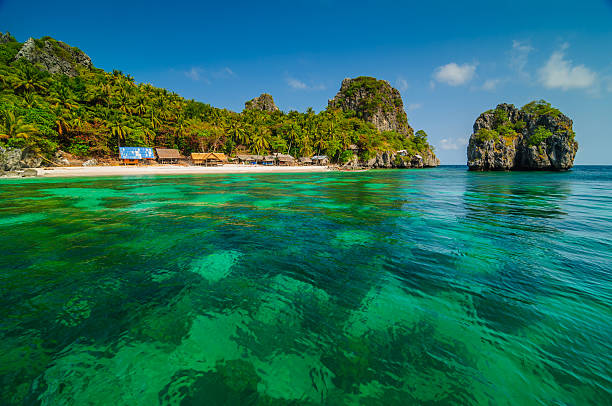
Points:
point(380, 104)
point(535, 137)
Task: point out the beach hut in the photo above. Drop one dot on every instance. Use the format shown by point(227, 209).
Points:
point(268, 160)
point(135, 155)
point(320, 160)
point(305, 161)
point(208, 158)
point(168, 155)
point(198, 158)
point(285, 160)
point(249, 159)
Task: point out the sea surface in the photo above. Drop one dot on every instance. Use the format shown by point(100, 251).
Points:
point(391, 287)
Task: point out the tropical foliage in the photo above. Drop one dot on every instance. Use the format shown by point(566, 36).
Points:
point(96, 112)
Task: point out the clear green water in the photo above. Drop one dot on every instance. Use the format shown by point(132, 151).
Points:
point(379, 288)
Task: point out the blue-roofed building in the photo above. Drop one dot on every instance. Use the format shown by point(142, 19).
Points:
point(135, 154)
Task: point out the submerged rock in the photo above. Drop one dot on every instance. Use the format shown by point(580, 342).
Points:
point(536, 137)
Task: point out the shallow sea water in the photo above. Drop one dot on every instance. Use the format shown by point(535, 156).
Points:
point(436, 286)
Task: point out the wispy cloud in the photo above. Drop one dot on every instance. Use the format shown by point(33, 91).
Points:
point(453, 144)
point(298, 84)
point(491, 84)
point(561, 73)
point(200, 74)
point(519, 56)
point(402, 84)
point(223, 73)
point(195, 73)
point(453, 74)
point(414, 106)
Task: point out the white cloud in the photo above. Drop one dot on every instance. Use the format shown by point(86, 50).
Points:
point(453, 143)
point(491, 84)
point(195, 73)
point(559, 73)
point(300, 85)
point(519, 55)
point(414, 106)
point(402, 84)
point(455, 75)
point(296, 84)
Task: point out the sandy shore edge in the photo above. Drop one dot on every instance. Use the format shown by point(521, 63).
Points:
point(95, 171)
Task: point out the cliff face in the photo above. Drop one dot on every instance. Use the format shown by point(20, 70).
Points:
point(374, 101)
point(264, 102)
point(54, 56)
point(536, 137)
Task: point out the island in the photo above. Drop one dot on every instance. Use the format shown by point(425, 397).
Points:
point(58, 109)
point(535, 137)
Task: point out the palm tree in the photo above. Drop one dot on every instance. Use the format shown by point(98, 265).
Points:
point(120, 129)
point(260, 140)
point(15, 127)
point(237, 132)
point(31, 80)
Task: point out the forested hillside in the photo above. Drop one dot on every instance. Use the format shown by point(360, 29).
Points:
point(89, 112)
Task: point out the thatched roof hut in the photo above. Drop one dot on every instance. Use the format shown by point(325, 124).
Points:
point(250, 159)
point(168, 155)
point(320, 160)
point(305, 160)
point(208, 158)
point(284, 159)
point(268, 160)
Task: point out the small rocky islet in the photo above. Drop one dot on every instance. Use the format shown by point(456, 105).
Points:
point(535, 137)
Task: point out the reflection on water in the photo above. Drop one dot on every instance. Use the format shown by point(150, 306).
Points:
point(385, 287)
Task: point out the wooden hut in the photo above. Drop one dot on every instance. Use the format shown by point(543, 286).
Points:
point(250, 159)
point(284, 160)
point(208, 158)
point(268, 160)
point(167, 155)
point(320, 160)
point(136, 155)
point(305, 161)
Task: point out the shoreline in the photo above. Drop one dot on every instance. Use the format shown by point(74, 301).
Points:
point(99, 171)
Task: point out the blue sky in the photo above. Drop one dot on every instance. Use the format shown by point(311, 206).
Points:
point(450, 60)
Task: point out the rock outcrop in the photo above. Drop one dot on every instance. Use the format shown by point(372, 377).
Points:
point(536, 137)
point(6, 37)
point(264, 102)
point(393, 159)
point(13, 159)
point(54, 56)
point(374, 101)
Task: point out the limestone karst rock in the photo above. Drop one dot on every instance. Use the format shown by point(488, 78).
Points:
point(54, 56)
point(536, 137)
point(264, 102)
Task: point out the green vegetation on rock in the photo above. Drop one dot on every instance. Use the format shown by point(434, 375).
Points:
point(541, 108)
point(540, 134)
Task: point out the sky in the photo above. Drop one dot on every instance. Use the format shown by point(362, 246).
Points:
point(450, 60)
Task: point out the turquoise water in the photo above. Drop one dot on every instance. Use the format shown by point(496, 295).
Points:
point(390, 287)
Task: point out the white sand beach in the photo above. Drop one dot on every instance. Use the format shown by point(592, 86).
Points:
point(174, 170)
